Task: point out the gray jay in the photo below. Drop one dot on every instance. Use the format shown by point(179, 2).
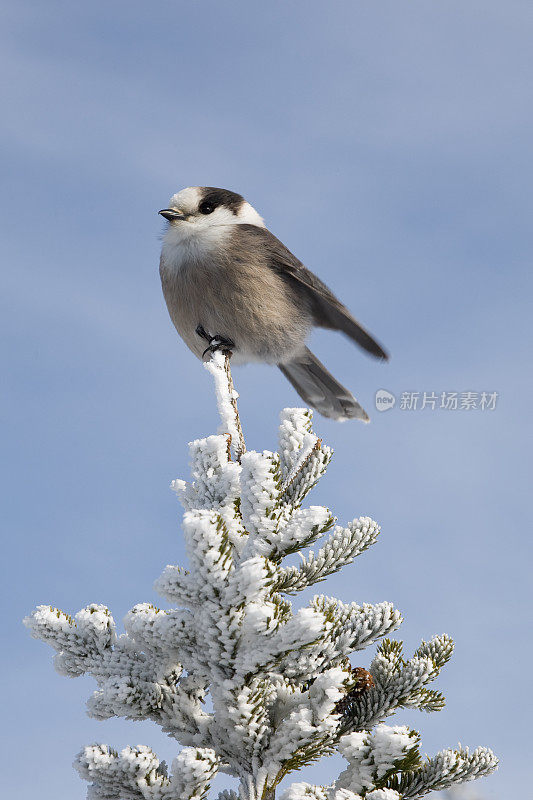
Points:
point(230, 284)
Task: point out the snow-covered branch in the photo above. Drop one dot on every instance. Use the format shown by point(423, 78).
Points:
point(280, 687)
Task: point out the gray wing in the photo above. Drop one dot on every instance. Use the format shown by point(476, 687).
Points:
point(327, 311)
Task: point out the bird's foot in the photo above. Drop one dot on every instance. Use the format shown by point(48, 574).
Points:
point(217, 342)
point(221, 343)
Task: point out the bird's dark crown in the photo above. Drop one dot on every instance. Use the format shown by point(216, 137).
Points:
point(222, 197)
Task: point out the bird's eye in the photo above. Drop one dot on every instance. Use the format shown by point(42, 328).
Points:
point(206, 208)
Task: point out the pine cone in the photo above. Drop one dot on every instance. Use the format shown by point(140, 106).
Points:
point(363, 682)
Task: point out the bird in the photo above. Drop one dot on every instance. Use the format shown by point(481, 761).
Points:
point(230, 284)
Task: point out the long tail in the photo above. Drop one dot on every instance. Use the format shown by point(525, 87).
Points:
point(319, 389)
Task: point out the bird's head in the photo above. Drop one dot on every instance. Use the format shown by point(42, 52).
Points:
point(202, 208)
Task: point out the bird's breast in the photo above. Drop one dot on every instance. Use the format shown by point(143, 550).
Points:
point(233, 296)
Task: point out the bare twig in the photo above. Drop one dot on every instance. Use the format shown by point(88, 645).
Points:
point(219, 367)
point(240, 446)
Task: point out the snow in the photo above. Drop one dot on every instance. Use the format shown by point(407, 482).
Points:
point(274, 674)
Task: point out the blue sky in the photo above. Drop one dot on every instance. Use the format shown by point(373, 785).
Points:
point(389, 146)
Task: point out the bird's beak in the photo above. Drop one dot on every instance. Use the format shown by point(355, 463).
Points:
point(171, 214)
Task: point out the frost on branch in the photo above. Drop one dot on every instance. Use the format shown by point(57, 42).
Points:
point(137, 774)
point(279, 680)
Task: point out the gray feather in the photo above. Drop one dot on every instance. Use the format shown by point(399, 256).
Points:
point(319, 389)
point(327, 311)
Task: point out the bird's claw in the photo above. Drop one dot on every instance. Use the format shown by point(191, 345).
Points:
point(218, 342)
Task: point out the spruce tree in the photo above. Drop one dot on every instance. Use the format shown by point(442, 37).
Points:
point(282, 691)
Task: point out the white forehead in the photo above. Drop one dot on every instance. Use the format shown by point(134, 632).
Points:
point(187, 200)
